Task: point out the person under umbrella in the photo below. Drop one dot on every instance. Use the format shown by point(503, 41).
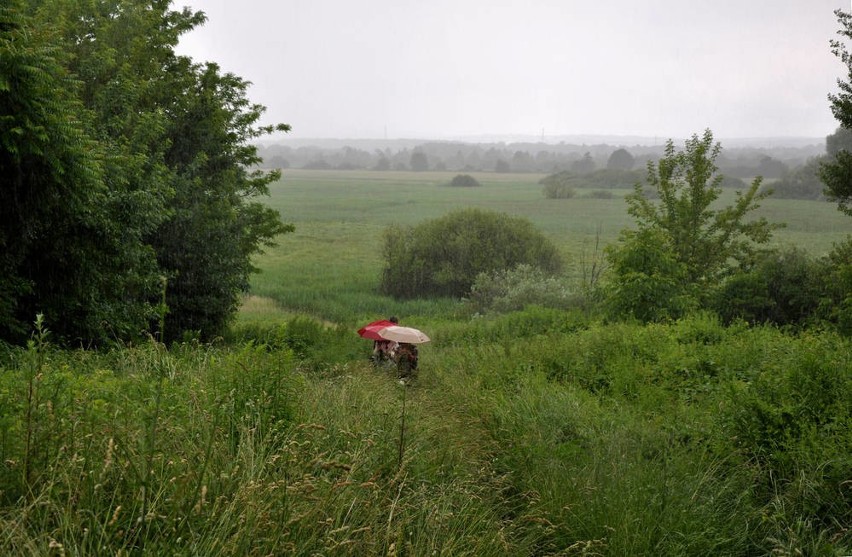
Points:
point(383, 349)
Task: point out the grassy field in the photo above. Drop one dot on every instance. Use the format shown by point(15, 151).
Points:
point(540, 432)
point(330, 267)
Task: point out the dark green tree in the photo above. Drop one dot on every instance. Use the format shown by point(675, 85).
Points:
point(174, 184)
point(64, 248)
point(584, 165)
point(802, 182)
point(836, 173)
point(215, 228)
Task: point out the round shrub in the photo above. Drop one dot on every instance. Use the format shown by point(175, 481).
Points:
point(464, 181)
point(442, 257)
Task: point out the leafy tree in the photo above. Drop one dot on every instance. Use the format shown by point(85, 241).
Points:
point(522, 161)
point(502, 166)
point(584, 165)
point(836, 173)
point(620, 159)
point(771, 168)
point(419, 161)
point(802, 182)
point(68, 238)
point(143, 167)
point(207, 244)
point(382, 164)
point(705, 239)
point(840, 140)
point(649, 284)
point(681, 237)
point(442, 257)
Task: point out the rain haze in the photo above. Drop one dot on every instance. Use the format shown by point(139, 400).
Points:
point(456, 69)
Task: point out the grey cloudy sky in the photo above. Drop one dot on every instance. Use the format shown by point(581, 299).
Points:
point(454, 68)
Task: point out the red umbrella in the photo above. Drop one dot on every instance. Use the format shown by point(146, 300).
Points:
point(371, 330)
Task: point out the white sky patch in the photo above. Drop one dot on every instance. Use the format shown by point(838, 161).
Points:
point(449, 68)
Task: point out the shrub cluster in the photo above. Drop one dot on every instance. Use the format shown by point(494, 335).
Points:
point(737, 437)
point(559, 191)
point(442, 257)
point(464, 181)
point(514, 289)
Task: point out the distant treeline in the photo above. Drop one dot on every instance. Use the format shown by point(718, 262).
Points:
point(790, 170)
point(740, 162)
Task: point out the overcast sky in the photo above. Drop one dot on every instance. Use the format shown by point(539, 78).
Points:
point(442, 69)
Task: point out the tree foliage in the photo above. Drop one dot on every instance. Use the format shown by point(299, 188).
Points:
point(620, 159)
point(783, 287)
point(682, 239)
point(802, 182)
point(419, 161)
point(836, 173)
point(133, 165)
point(442, 257)
point(705, 239)
point(63, 252)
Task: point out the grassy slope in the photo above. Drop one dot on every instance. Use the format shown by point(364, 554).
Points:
point(533, 433)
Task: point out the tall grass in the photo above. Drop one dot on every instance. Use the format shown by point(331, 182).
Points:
point(680, 439)
point(538, 432)
point(216, 451)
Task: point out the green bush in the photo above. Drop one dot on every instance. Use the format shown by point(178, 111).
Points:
point(788, 288)
point(783, 288)
point(648, 282)
point(442, 257)
point(558, 191)
point(793, 423)
point(464, 181)
point(836, 276)
point(559, 185)
point(514, 289)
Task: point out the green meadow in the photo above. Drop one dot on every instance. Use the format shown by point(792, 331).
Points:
point(330, 267)
point(539, 432)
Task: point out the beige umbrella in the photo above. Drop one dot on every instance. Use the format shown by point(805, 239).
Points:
point(403, 334)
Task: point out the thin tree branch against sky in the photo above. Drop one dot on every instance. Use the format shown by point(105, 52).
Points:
point(456, 68)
